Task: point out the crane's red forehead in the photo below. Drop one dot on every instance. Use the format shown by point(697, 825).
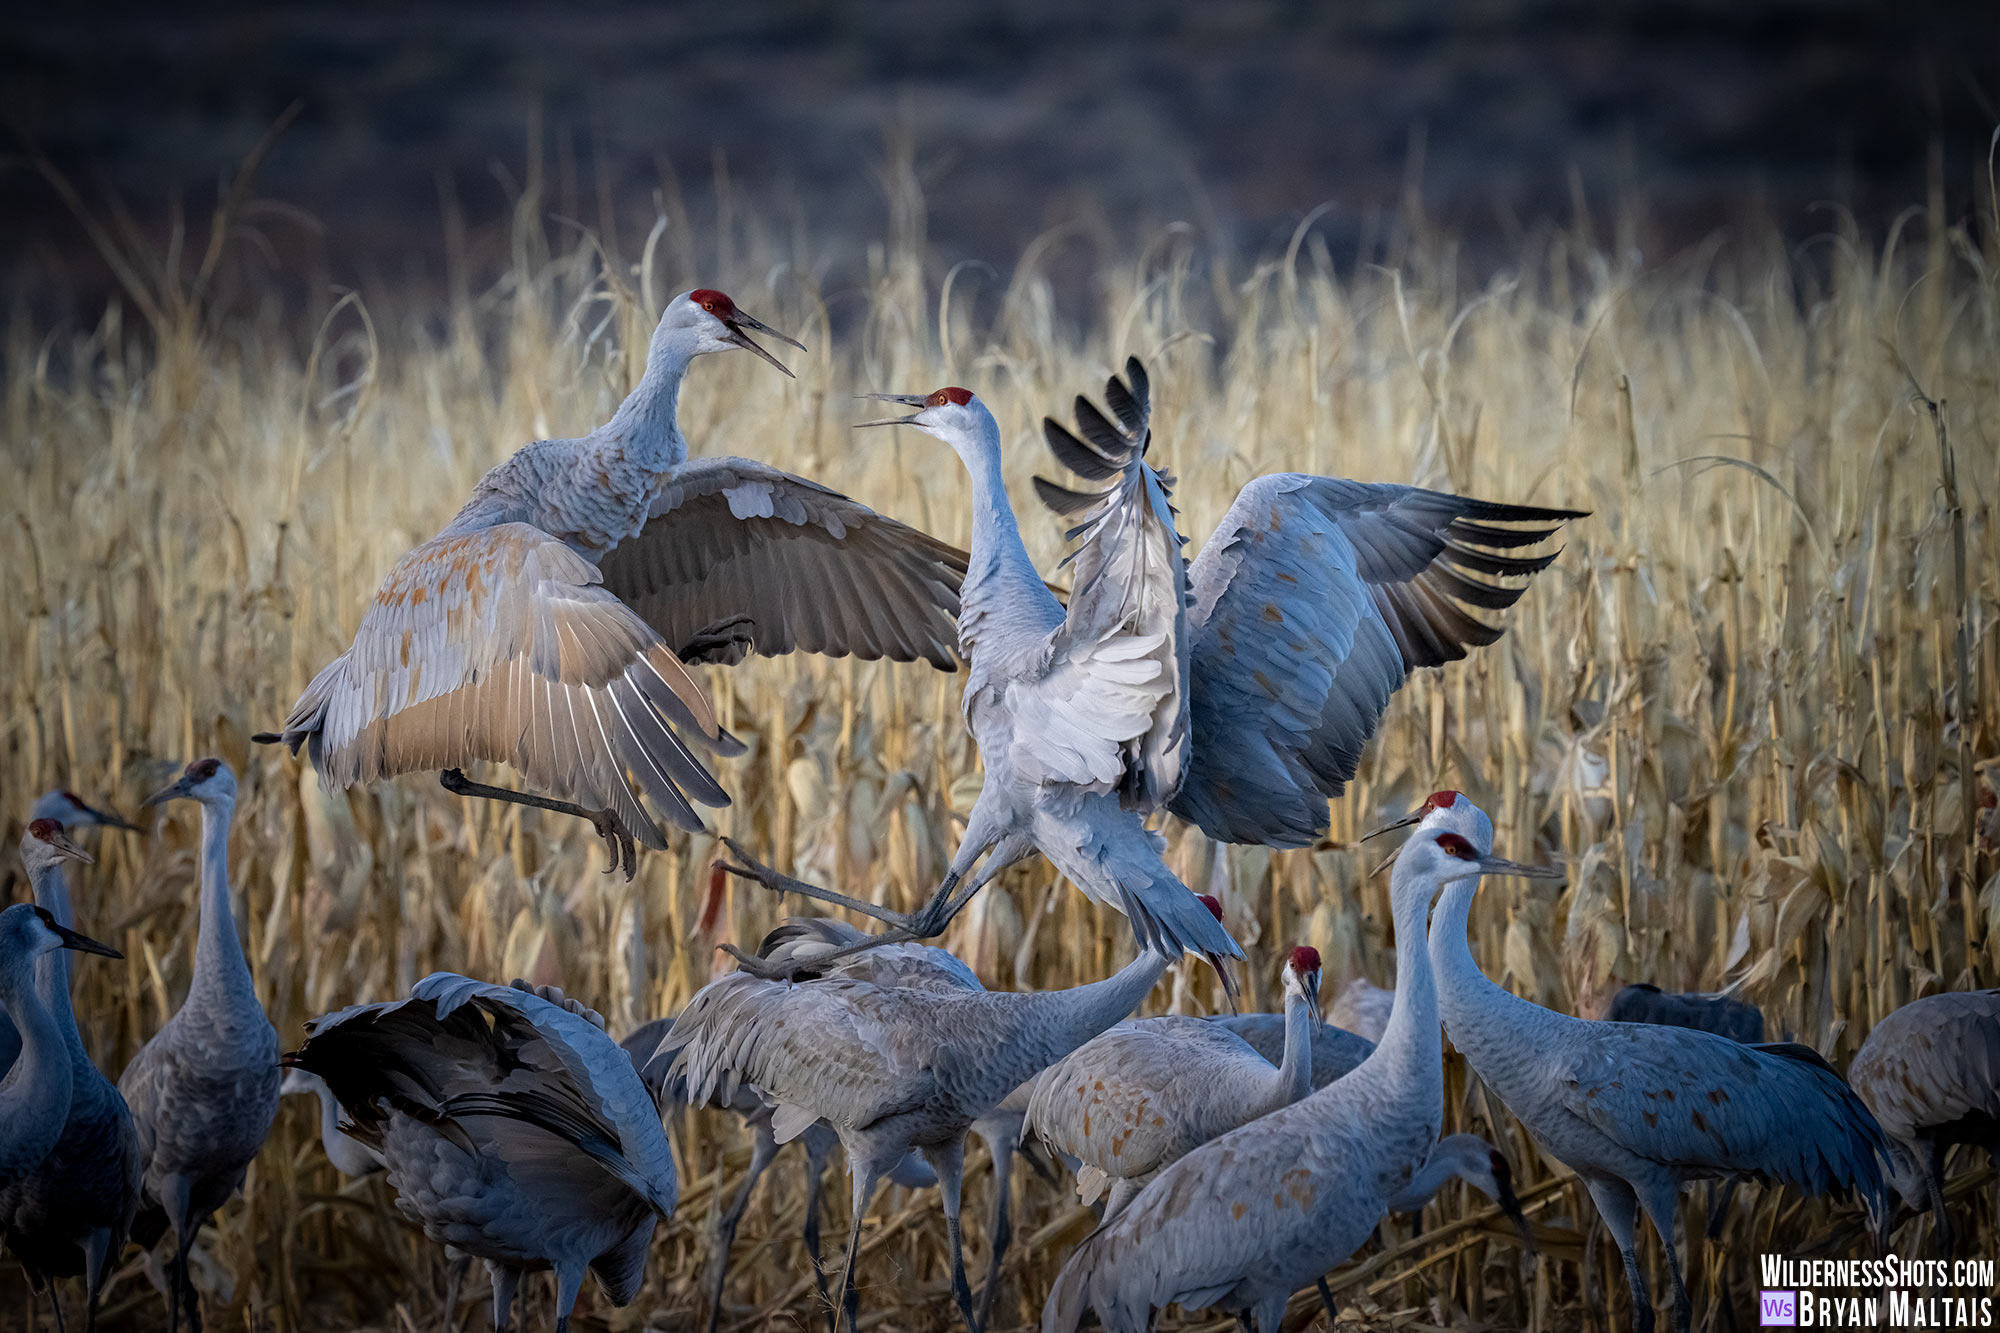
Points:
point(714, 302)
point(1441, 800)
point(1305, 958)
point(201, 770)
point(949, 394)
point(47, 830)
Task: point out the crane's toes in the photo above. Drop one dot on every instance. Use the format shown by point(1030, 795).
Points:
point(762, 968)
point(617, 842)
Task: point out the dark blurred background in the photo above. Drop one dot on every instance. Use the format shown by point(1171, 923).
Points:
point(418, 121)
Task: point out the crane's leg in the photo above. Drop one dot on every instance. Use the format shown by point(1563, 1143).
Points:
point(1000, 1232)
point(454, 1276)
point(866, 1175)
point(948, 1160)
point(1720, 1194)
point(1934, 1185)
point(618, 839)
point(1619, 1208)
point(819, 1147)
point(569, 1281)
point(506, 1281)
point(97, 1258)
point(1326, 1303)
point(55, 1304)
point(762, 1151)
point(1661, 1200)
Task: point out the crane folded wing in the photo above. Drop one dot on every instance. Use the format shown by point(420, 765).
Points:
point(500, 645)
point(810, 569)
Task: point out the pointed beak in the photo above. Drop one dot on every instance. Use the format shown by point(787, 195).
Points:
point(83, 943)
point(68, 850)
point(741, 326)
point(915, 400)
point(1404, 822)
point(173, 790)
point(1494, 865)
point(1511, 1206)
point(108, 819)
point(1310, 983)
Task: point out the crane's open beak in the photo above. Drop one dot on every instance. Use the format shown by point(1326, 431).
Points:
point(916, 400)
point(740, 327)
point(1391, 827)
point(82, 943)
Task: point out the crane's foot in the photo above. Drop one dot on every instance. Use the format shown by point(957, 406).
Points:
point(618, 839)
point(723, 643)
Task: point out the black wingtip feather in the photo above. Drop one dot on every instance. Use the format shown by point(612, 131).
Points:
point(1077, 456)
point(1062, 499)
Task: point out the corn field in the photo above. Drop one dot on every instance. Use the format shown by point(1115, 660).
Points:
point(1750, 708)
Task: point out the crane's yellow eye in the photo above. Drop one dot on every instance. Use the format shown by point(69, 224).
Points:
point(708, 306)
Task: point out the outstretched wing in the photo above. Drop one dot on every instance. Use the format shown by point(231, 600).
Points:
point(811, 570)
point(500, 645)
point(1108, 711)
point(1313, 601)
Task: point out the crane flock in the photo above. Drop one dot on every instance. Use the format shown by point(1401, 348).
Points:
point(550, 628)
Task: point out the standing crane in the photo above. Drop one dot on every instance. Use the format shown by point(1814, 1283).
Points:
point(35, 1094)
point(512, 1128)
point(892, 1066)
point(1930, 1072)
point(70, 1216)
point(349, 1155)
point(204, 1090)
point(1237, 692)
point(1248, 1218)
point(1128, 1104)
point(1637, 1109)
point(1720, 1013)
point(1335, 1051)
point(547, 625)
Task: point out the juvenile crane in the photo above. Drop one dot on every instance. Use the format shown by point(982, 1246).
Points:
point(512, 1128)
point(35, 1094)
point(1248, 1218)
point(1637, 1109)
point(546, 626)
point(204, 1090)
point(1237, 692)
point(1131, 1102)
point(1930, 1072)
point(892, 1066)
point(70, 1216)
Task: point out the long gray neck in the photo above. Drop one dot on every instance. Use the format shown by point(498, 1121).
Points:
point(219, 966)
point(1001, 590)
point(1295, 1072)
point(1471, 1002)
point(1050, 1024)
point(1410, 1045)
point(36, 1088)
point(52, 968)
point(645, 430)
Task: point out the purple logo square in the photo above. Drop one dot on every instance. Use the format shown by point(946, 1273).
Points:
point(1777, 1309)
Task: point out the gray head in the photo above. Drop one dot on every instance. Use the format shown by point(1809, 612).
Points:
point(44, 846)
point(27, 932)
point(715, 324)
point(1301, 976)
point(206, 780)
point(1486, 1169)
point(954, 415)
point(72, 811)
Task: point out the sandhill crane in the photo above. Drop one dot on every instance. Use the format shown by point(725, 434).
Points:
point(1472, 1159)
point(1636, 1109)
point(1361, 1007)
point(1250, 1217)
point(1131, 1102)
point(1930, 1072)
point(546, 626)
point(512, 1128)
point(204, 1090)
point(35, 1094)
point(892, 1067)
point(70, 1215)
point(1237, 692)
point(349, 1155)
point(1722, 1014)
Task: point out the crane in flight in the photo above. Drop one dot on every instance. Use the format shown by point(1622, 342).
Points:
point(547, 627)
point(1236, 692)
point(1638, 1109)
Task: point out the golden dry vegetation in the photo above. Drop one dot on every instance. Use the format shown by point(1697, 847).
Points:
point(1745, 707)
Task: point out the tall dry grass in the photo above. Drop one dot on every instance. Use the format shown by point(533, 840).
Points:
point(1745, 707)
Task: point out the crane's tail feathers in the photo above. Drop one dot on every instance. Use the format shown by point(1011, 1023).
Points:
point(1070, 1297)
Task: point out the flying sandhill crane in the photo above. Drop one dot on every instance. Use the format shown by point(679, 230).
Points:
point(513, 1130)
point(1636, 1109)
point(1930, 1072)
point(546, 626)
point(69, 1217)
point(35, 1094)
point(1237, 692)
point(204, 1090)
point(69, 811)
point(1248, 1218)
point(892, 1067)
point(1130, 1103)
point(1722, 1014)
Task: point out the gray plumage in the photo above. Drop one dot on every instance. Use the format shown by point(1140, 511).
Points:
point(1636, 1109)
point(349, 1155)
point(1361, 1007)
point(1336, 1052)
point(1930, 1072)
point(1127, 1104)
point(511, 1127)
point(1724, 1015)
point(1248, 1218)
point(71, 1214)
point(1472, 1159)
point(204, 1090)
point(545, 626)
point(893, 1065)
